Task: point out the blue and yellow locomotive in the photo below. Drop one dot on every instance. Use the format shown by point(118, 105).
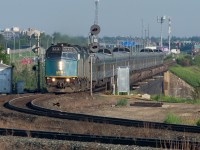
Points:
point(63, 67)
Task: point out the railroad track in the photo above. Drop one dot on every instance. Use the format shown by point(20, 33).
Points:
point(102, 139)
point(29, 105)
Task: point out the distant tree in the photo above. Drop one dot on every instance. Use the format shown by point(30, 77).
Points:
point(195, 38)
point(3, 56)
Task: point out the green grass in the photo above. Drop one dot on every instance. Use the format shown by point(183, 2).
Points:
point(122, 102)
point(172, 119)
point(21, 55)
point(198, 122)
point(196, 61)
point(168, 99)
point(191, 74)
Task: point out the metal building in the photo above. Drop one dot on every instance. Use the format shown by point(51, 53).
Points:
point(123, 83)
point(5, 79)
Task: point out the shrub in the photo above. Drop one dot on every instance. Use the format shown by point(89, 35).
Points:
point(172, 119)
point(198, 122)
point(156, 97)
point(122, 102)
point(196, 61)
point(184, 60)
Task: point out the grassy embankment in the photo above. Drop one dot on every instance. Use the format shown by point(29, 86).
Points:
point(187, 69)
point(190, 74)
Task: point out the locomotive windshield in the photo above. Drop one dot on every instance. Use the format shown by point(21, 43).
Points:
point(69, 55)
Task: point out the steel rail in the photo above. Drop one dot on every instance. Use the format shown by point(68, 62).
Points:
point(116, 121)
point(158, 143)
point(41, 111)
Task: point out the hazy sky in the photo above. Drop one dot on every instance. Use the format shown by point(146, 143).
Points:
point(116, 17)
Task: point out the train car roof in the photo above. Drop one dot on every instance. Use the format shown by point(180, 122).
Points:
point(62, 47)
point(105, 51)
point(121, 49)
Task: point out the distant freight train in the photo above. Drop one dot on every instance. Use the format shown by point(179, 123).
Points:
point(68, 67)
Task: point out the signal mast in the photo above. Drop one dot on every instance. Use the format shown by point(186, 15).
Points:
point(93, 41)
point(96, 11)
point(94, 31)
point(161, 21)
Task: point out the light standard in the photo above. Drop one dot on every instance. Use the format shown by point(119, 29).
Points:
point(161, 21)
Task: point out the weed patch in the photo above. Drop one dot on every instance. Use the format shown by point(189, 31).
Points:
point(172, 119)
point(122, 102)
point(161, 98)
point(198, 122)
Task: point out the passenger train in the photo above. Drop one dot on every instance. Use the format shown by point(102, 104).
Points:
point(68, 67)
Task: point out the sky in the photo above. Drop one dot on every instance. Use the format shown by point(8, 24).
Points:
point(116, 17)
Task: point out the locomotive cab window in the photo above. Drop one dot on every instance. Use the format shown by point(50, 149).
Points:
point(69, 55)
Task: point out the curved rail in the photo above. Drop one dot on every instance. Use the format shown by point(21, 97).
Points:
point(38, 110)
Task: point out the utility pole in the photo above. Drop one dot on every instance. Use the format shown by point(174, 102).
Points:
point(142, 38)
point(169, 33)
point(161, 21)
point(37, 34)
point(148, 40)
point(36, 50)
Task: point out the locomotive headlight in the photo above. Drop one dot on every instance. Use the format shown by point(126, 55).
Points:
point(53, 79)
point(60, 65)
point(67, 80)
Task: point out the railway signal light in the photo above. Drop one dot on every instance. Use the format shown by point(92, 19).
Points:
point(94, 46)
point(34, 68)
point(35, 49)
point(95, 29)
